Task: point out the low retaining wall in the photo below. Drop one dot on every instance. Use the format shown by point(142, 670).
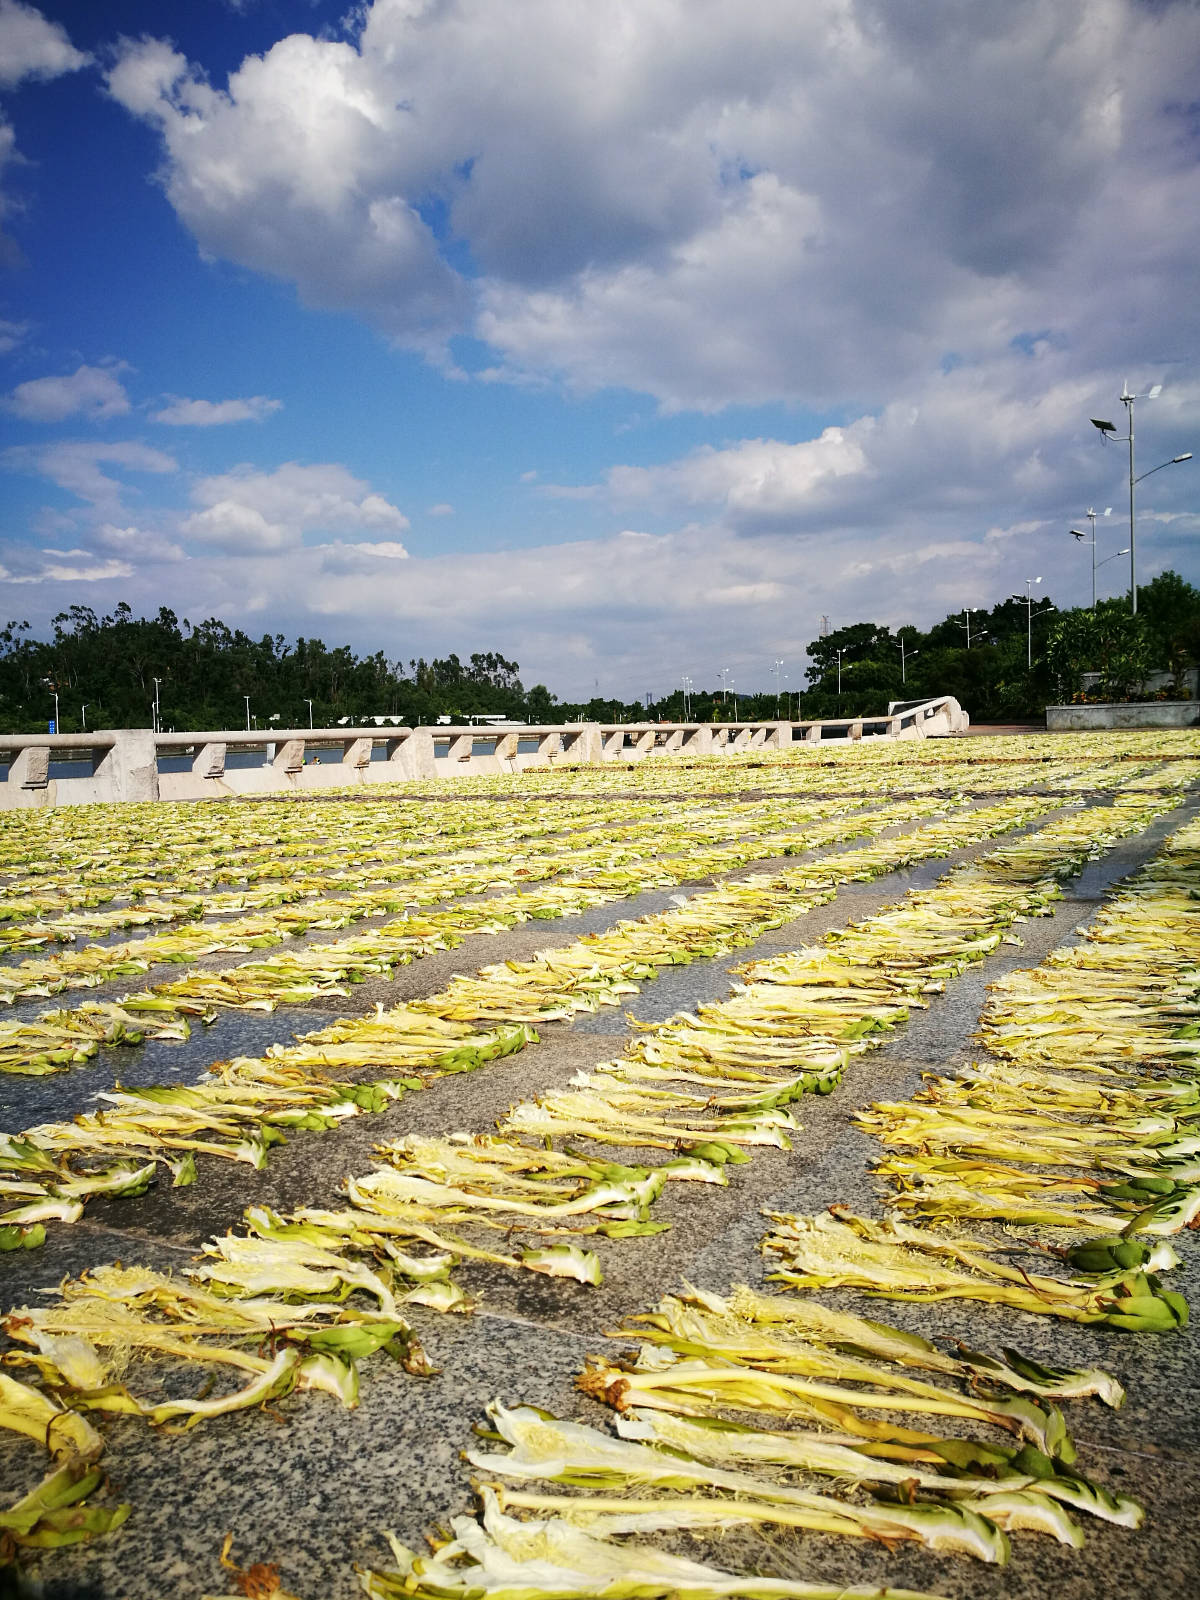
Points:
point(1142, 714)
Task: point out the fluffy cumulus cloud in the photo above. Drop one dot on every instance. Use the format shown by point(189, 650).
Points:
point(706, 203)
point(92, 392)
point(960, 445)
point(181, 413)
point(32, 47)
point(248, 510)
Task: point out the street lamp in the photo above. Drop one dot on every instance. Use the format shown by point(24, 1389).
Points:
point(840, 654)
point(1107, 559)
point(1029, 583)
point(83, 717)
point(246, 698)
point(54, 692)
point(1083, 539)
point(904, 660)
point(308, 703)
point(967, 610)
point(687, 696)
point(777, 668)
point(157, 710)
point(725, 671)
point(1108, 431)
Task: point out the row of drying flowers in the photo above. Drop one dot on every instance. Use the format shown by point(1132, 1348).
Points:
point(694, 1096)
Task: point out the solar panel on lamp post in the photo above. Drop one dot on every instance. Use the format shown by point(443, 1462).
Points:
point(1091, 515)
point(1108, 432)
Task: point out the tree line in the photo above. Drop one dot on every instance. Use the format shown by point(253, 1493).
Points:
point(1023, 654)
point(1003, 664)
point(111, 671)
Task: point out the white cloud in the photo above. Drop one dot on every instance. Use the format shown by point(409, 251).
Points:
point(442, 509)
point(247, 510)
point(315, 201)
point(710, 204)
point(75, 465)
point(145, 544)
point(181, 413)
point(32, 47)
point(11, 334)
point(92, 392)
point(61, 566)
point(757, 481)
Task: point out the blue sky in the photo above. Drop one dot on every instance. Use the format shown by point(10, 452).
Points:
point(626, 337)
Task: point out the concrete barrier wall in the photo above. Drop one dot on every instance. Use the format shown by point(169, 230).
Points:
point(125, 762)
point(1145, 714)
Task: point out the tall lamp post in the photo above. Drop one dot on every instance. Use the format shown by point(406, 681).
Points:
point(308, 703)
point(157, 707)
point(246, 698)
point(966, 623)
point(725, 671)
point(840, 654)
point(777, 668)
point(83, 717)
point(1091, 515)
point(1108, 432)
point(904, 660)
point(1029, 583)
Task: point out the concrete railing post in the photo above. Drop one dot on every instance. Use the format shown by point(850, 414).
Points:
point(854, 731)
point(128, 769)
point(290, 756)
point(644, 743)
point(780, 736)
point(357, 753)
point(589, 745)
point(614, 743)
point(30, 768)
point(674, 740)
point(412, 756)
point(699, 742)
point(549, 745)
point(812, 734)
point(210, 761)
point(461, 747)
point(506, 746)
